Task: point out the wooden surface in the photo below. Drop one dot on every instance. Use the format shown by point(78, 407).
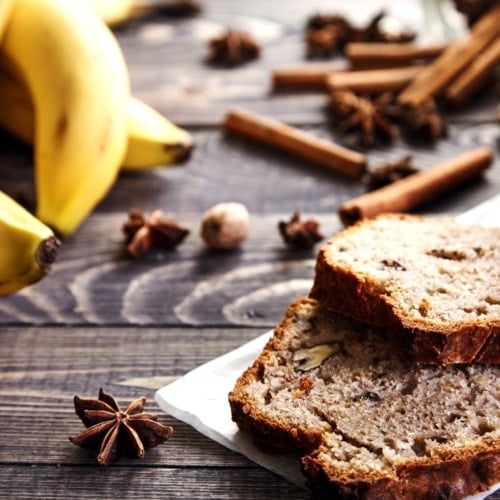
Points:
point(101, 319)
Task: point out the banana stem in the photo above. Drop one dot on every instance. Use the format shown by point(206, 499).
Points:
point(46, 252)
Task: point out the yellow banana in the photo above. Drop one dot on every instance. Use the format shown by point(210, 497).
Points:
point(16, 109)
point(5, 7)
point(112, 12)
point(79, 84)
point(28, 247)
point(153, 140)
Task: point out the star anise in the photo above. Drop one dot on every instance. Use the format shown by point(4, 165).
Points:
point(326, 34)
point(365, 115)
point(113, 431)
point(382, 28)
point(473, 9)
point(423, 121)
point(233, 48)
point(177, 8)
point(300, 234)
point(143, 234)
point(389, 172)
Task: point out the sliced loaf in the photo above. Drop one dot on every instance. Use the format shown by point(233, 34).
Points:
point(367, 425)
point(434, 283)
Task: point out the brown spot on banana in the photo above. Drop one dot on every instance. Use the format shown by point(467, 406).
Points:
point(61, 129)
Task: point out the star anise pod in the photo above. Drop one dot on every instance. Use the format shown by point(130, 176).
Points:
point(300, 234)
point(423, 121)
point(326, 34)
point(233, 48)
point(473, 9)
point(177, 8)
point(114, 431)
point(363, 114)
point(381, 28)
point(143, 234)
point(389, 172)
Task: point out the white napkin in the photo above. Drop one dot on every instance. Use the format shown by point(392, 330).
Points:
point(199, 398)
point(486, 214)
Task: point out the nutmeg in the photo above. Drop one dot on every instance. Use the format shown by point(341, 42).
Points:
point(225, 225)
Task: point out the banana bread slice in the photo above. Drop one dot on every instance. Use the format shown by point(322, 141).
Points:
point(367, 424)
point(433, 282)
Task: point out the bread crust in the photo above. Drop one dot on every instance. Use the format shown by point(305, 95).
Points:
point(452, 479)
point(448, 473)
point(360, 297)
point(269, 436)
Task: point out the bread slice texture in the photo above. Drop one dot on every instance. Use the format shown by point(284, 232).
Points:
point(433, 282)
point(366, 424)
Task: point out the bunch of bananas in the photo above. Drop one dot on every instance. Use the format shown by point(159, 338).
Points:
point(64, 89)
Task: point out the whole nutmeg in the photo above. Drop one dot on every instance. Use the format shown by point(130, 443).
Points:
point(225, 225)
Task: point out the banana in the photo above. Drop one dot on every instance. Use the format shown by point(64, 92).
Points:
point(153, 140)
point(5, 7)
point(28, 247)
point(16, 109)
point(80, 87)
point(118, 12)
point(113, 12)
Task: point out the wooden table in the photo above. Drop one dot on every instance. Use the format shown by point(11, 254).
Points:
point(103, 320)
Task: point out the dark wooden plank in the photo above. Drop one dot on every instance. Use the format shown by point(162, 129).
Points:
point(43, 368)
point(94, 282)
point(122, 482)
point(152, 483)
point(268, 181)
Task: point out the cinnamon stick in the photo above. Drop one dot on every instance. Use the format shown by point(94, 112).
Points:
point(293, 140)
point(304, 77)
point(453, 60)
point(373, 80)
point(474, 77)
point(407, 193)
point(363, 55)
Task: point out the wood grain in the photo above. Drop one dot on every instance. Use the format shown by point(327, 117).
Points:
point(246, 483)
point(43, 368)
point(94, 282)
point(102, 319)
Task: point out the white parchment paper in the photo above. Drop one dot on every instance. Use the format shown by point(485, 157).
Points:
point(199, 398)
